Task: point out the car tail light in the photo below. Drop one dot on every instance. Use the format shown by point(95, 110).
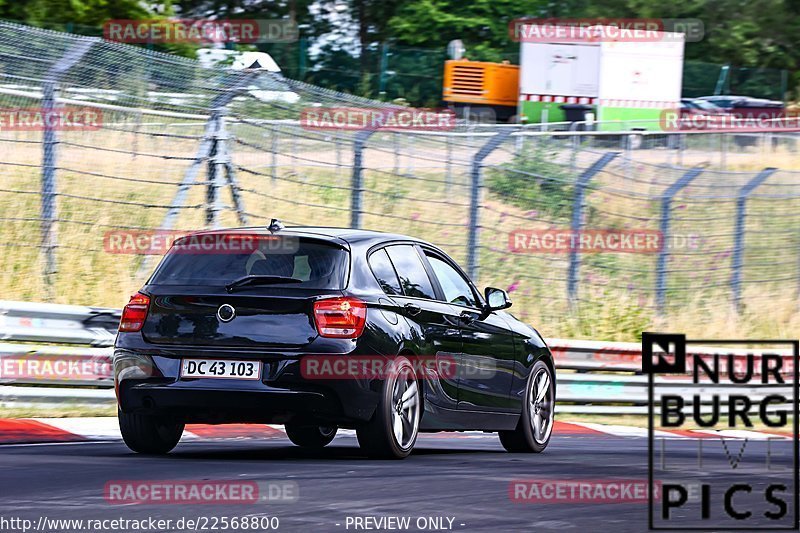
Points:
point(135, 313)
point(340, 318)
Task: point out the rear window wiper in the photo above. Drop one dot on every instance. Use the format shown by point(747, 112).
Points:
point(260, 280)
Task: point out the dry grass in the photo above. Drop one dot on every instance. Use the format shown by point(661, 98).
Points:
point(616, 304)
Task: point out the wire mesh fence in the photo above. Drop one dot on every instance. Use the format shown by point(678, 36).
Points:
point(660, 228)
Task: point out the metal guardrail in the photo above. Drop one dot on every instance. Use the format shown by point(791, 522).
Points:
point(54, 323)
point(75, 353)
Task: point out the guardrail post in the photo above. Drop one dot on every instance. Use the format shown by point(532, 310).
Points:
point(738, 246)
point(357, 185)
point(666, 206)
point(578, 204)
point(49, 156)
point(475, 199)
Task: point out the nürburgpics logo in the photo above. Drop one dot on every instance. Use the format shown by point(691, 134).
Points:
point(734, 405)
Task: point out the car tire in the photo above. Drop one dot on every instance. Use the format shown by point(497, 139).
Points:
point(149, 434)
point(315, 437)
point(535, 425)
point(392, 431)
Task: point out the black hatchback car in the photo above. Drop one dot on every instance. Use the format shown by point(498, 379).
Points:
point(325, 328)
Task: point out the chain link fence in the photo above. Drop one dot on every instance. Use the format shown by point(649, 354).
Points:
point(182, 148)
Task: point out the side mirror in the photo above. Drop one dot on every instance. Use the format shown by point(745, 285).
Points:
point(496, 299)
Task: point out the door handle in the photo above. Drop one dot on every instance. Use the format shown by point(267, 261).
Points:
point(413, 309)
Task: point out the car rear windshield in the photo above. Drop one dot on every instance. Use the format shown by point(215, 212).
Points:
point(219, 259)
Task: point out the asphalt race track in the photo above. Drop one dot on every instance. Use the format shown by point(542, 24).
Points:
point(464, 478)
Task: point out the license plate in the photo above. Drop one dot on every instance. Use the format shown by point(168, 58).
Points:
point(218, 368)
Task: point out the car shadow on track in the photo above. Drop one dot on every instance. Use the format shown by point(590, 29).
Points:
point(254, 451)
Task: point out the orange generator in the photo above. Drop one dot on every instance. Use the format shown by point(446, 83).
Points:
point(480, 89)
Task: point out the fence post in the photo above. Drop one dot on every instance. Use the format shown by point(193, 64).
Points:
point(357, 186)
point(273, 148)
point(209, 147)
point(189, 177)
point(49, 144)
point(577, 219)
point(338, 144)
point(396, 145)
point(204, 151)
point(410, 158)
point(225, 172)
point(48, 208)
point(628, 147)
point(738, 246)
point(384, 68)
point(475, 198)
point(573, 158)
point(213, 206)
point(448, 175)
point(666, 206)
point(293, 152)
point(723, 151)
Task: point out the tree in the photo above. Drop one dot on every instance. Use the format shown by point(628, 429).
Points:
point(72, 12)
point(483, 25)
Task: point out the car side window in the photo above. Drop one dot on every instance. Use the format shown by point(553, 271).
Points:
point(411, 271)
point(384, 272)
point(455, 287)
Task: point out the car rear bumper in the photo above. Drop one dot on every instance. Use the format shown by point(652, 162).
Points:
point(282, 395)
point(265, 404)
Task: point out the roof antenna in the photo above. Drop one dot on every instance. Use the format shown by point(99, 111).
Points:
point(275, 225)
